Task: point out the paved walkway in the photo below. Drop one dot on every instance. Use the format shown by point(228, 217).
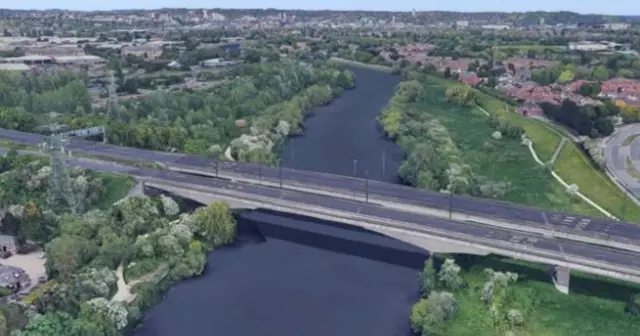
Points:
point(617, 154)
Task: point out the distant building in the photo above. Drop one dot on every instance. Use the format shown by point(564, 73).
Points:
point(79, 60)
point(617, 26)
point(14, 67)
point(27, 59)
point(470, 78)
point(530, 109)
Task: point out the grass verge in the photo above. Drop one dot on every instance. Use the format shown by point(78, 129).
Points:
point(595, 306)
point(116, 187)
point(575, 168)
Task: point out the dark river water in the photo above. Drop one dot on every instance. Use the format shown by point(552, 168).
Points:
point(282, 286)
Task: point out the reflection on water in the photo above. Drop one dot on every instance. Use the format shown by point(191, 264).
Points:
point(279, 288)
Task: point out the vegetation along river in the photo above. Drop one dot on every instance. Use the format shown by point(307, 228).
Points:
point(281, 286)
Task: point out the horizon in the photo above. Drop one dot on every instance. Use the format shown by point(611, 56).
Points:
point(191, 6)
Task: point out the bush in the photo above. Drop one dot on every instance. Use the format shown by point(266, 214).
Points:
point(633, 305)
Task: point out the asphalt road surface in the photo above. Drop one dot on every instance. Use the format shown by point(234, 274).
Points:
point(525, 215)
point(616, 154)
point(496, 237)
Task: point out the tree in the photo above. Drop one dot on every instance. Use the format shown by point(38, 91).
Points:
point(215, 224)
point(428, 315)
point(66, 254)
point(50, 324)
point(497, 293)
point(449, 275)
point(427, 278)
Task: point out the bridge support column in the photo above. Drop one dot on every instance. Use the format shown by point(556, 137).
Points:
point(561, 276)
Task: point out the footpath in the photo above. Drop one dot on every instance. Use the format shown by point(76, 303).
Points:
point(557, 177)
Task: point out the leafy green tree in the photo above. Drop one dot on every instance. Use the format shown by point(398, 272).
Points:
point(449, 275)
point(427, 278)
point(215, 224)
point(50, 324)
point(66, 254)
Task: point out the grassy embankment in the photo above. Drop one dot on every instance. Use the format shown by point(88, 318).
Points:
point(595, 305)
point(572, 165)
point(505, 160)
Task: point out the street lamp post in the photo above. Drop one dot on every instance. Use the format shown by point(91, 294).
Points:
point(260, 172)
point(355, 175)
point(280, 172)
point(217, 165)
point(450, 202)
point(366, 186)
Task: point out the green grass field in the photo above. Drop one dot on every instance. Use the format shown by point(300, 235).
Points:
point(500, 160)
point(594, 307)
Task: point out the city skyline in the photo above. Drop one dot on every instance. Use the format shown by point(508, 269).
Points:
point(626, 7)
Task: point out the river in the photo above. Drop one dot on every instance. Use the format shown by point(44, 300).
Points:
point(282, 287)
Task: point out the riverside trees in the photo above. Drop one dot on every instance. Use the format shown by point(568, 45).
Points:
point(263, 95)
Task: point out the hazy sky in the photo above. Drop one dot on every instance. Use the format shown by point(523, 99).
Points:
point(623, 7)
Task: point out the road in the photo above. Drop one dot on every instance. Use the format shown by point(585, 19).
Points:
point(526, 244)
point(616, 154)
point(552, 221)
point(499, 238)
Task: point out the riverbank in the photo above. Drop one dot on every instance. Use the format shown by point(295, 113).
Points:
point(572, 165)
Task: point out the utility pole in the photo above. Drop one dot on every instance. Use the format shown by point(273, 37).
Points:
point(217, 167)
point(384, 162)
point(260, 172)
point(60, 191)
point(113, 109)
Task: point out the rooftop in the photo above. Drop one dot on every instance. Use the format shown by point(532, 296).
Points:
point(77, 58)
point(26, 58)
point(14, 67)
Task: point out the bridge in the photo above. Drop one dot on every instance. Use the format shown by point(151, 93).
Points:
point(504, 215)
point(428, 233)
point(474, 226)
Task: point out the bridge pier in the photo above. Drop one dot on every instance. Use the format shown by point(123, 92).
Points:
point(561, 277)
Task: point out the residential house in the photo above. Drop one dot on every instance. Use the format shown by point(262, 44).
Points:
point(470, 78)
point(530, 109)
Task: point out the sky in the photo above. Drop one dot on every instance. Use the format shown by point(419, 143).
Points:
point(617, 7)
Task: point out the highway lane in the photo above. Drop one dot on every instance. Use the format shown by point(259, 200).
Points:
point(501, 238)
point(519, 214)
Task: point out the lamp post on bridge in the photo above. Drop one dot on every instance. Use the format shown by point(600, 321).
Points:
point(280, 172)
point(355, 175)
point(450, 201)
point(366, 186)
